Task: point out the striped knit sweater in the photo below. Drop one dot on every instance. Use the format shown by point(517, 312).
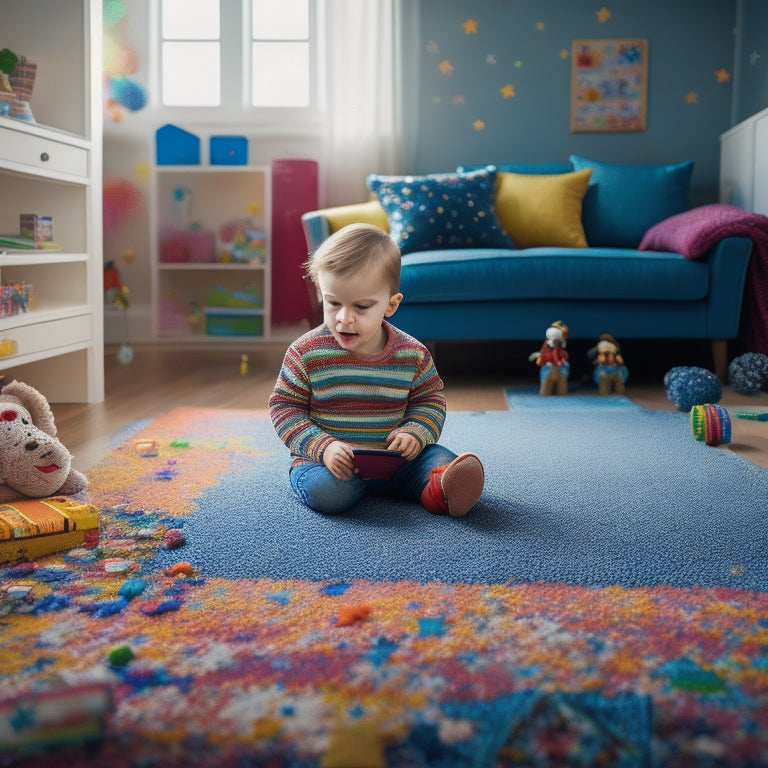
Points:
point(324, 393)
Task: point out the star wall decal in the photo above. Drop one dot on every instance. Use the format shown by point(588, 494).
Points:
point(470, 27)
point(722, 75)
point(603, 15)
point(540, 26)
point(432, 47)
point(564, 53)
point(753, 58)
point(458, 100)
point(445, 67)
point(490, 58)
point(478, 125)
point(691, 97)
point(508, 91)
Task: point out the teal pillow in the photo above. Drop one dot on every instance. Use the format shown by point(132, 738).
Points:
point(441, 210)
point(624, 201)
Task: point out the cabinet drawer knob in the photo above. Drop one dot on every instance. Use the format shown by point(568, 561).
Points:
point(45, 157)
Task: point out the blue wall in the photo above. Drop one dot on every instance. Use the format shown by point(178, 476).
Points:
point(751, 66)
point(526, 43)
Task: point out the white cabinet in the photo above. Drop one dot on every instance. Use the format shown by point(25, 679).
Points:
point(52, 167)
point(744, 164)
point(211, 260)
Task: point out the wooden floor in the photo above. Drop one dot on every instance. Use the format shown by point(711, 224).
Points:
point(160, 378)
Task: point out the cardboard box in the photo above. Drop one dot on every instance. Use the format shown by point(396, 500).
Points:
point(36, 227)
point(224, 321)
point(32, 528)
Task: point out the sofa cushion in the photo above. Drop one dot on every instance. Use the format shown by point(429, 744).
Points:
point(466, 275)
point(624, 201)
point(543, 209)
point(441, 210)
point(368, 213)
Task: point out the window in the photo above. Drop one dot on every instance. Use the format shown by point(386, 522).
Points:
point(265, 45)
point(280, 53)
point(191, 61)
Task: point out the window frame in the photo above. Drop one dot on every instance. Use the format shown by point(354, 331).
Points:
point(236, 86)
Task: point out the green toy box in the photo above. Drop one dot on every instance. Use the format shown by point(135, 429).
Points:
point(228, 321)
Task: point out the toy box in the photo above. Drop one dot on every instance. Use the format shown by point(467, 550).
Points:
point(32, 528)
point(36, 227)
point(175, 146)
point(228, 150)
point(227, 321)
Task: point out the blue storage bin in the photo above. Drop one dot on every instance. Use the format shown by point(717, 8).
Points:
point(228, 150)
point(175, 146)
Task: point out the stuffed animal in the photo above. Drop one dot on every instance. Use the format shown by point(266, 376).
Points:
point(33, 462)
point(610, 373)
point(552, 360)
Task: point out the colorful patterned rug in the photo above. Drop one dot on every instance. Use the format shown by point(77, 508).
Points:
point(147, 651)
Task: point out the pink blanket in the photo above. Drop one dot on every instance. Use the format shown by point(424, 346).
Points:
point(693, 233)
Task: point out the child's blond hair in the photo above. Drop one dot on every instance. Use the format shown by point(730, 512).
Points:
point(356, 247)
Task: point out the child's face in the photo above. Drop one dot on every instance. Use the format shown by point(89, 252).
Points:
point(354, 307)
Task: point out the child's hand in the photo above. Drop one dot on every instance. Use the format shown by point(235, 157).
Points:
point(404, 443)
point(340, 460)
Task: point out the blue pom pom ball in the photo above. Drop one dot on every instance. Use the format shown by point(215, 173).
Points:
point(688, 386)
point(748, 373)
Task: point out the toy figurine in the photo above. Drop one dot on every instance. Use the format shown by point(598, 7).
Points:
point(552, 359)
point(609, 372)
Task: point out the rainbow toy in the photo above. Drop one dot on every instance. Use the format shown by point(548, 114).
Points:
point(711, 424)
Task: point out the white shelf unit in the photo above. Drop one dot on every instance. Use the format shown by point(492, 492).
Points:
point(216, 195)
point(744, 164)
point(53, 167)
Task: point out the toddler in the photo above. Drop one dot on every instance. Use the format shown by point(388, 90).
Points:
point(357, 381)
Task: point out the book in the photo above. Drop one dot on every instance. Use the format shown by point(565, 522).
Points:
point(15, 243)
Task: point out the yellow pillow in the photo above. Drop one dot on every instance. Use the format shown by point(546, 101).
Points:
point(357, 213)
point(543, 209)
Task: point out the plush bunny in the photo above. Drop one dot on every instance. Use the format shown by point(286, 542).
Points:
point(33, 462)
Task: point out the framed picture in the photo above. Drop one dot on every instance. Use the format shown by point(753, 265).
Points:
point(609, 82)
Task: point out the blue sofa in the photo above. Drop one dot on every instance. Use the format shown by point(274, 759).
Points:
point(568, 246)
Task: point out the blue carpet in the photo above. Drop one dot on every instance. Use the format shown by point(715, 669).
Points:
point(599, 496)
point(577, 398)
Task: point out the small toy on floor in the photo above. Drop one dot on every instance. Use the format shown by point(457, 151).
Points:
point(711, 424)
point(552, 359)
point(688, 386)
point(609, 374)
point(748, 373)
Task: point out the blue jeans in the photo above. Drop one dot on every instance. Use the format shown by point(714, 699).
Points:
point(316, 487)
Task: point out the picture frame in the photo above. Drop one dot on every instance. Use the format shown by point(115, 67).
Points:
point(609, 85)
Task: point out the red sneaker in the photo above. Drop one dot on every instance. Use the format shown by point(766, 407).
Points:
point(456, 487)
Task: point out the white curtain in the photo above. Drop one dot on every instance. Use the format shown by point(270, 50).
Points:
point(363, 131)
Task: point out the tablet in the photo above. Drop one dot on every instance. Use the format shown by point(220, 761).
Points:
point(377, 464)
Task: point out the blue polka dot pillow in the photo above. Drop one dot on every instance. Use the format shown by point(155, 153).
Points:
point(441, 210)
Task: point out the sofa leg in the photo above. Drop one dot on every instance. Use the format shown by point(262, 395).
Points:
point(720, 359)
